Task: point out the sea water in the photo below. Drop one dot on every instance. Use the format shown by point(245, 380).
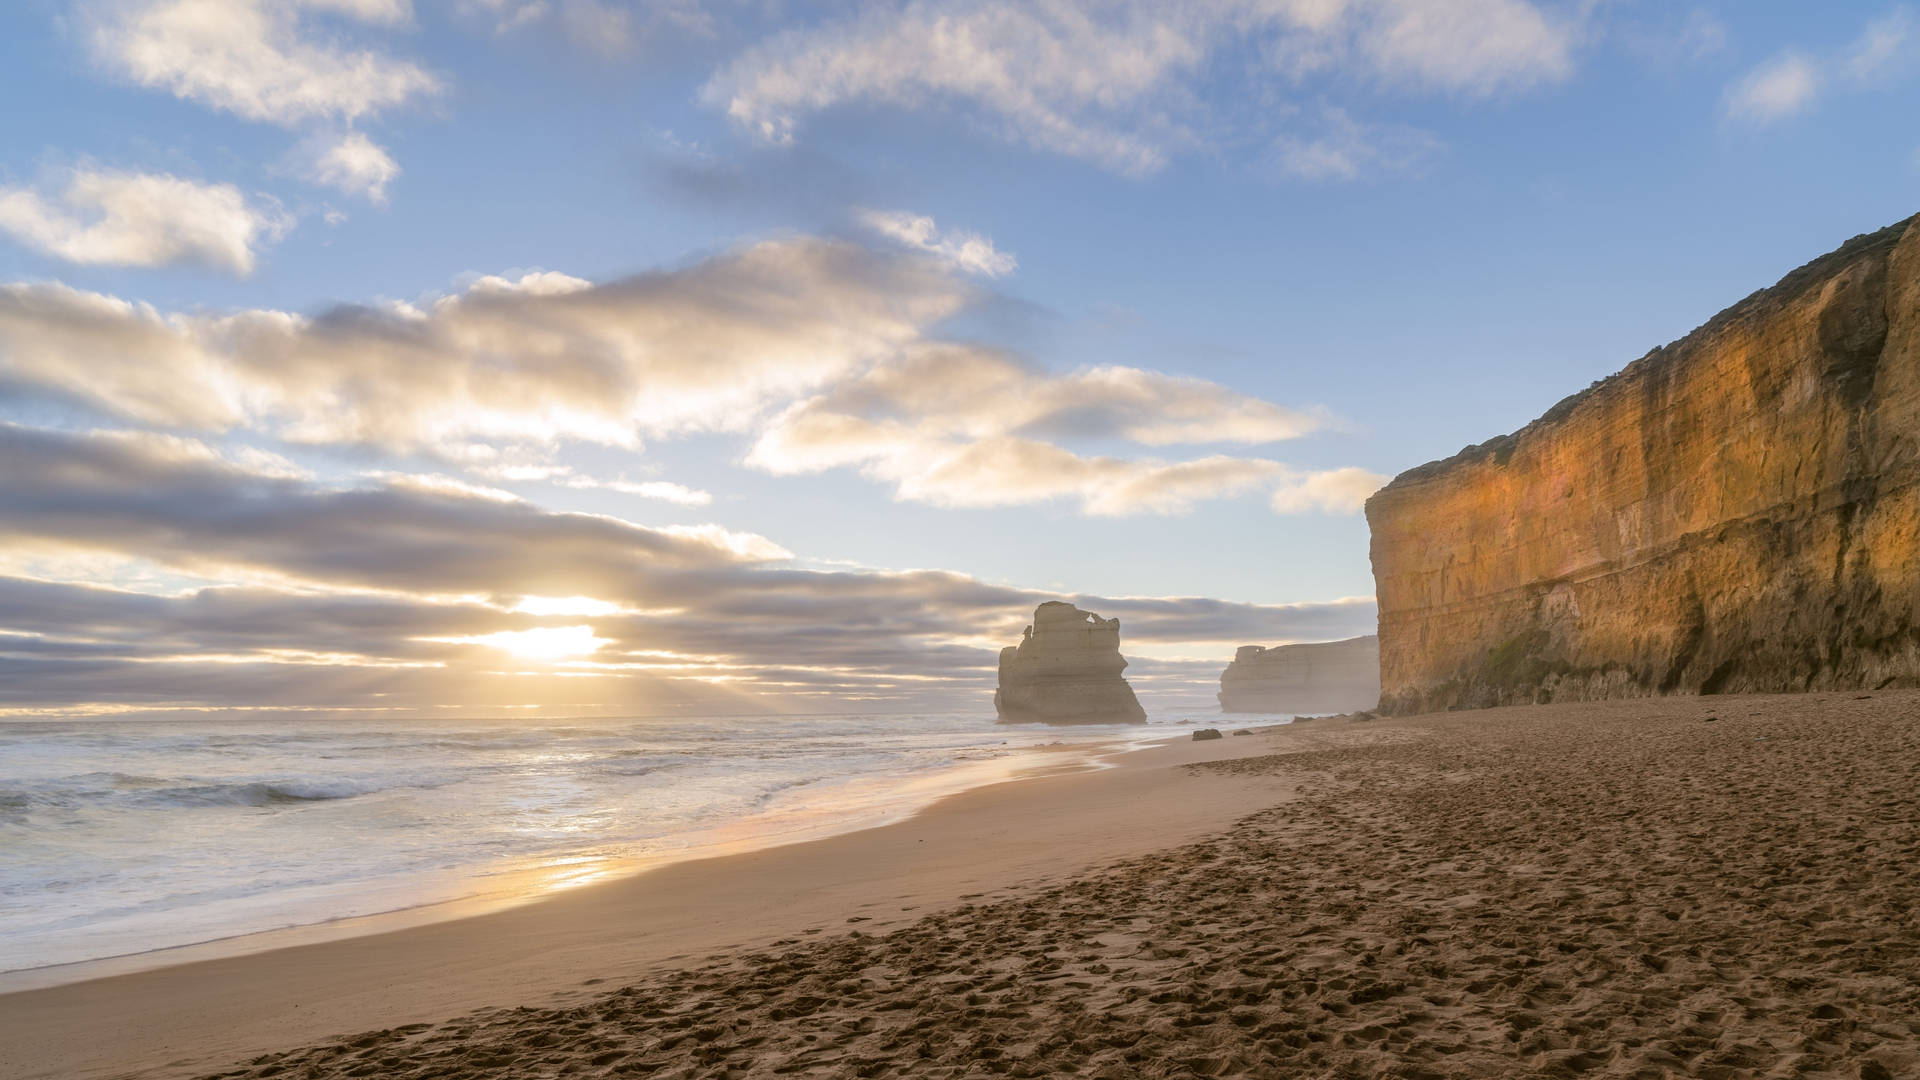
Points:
point(123, 837)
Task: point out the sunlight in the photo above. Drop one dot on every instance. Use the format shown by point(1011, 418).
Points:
point(545, 644)
point(564, 605)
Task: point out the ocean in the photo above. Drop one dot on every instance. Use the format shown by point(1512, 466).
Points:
point(121, 838)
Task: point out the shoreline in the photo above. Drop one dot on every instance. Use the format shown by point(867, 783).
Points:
point(898, 798)
point(302, 983)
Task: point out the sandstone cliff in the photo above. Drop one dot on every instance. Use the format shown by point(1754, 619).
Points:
point(1736, 511)
point(1066, 670)
point(1323, 677)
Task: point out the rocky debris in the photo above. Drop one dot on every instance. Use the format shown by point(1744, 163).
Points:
point(1206, 733)
point(1243, 731)
point(1738, 511)
point(1066, 670)
point(1319, 677)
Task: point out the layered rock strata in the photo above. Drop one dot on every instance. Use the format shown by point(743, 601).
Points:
point(1322, 677)
point(1736, 511)
point(1066, 670)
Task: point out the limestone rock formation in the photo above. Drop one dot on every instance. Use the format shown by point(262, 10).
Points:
point(1322, 677)
point(1737, 511)
point(1066, 670)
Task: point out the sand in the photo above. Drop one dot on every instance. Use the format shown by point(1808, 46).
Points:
point(1716, 887)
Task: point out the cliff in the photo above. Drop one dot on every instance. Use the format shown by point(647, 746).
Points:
point(1736, 511)
point(1323, 677)
point(1066, 670)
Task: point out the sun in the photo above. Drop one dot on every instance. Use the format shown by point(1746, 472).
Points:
point(544, 644)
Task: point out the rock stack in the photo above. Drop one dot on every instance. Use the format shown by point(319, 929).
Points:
point(1323, 677)
point(1066, 670)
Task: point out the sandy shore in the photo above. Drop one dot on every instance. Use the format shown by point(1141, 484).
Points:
point(1718, 887)
point(189, 1018)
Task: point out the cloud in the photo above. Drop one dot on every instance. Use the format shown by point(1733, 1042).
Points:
point(103, 217)
point(939, 388)
point(354, 164)
point(1783, 86)
point(954, 425)
point(1884, 50)
point(179, 502)
point(258, 59)
point(921, 640)
point(1004, 471)
point(665, 490)
point(968, 251)
point(819, 350)
point(1345, 149)
point(1676, 39)
point(1108, 81)
point(393, 595)
point(538, 358)
point(1335, 491)
point(608, 29)
point(1793, 81)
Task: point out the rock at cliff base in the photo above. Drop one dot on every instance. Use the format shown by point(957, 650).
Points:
point(1066, 670)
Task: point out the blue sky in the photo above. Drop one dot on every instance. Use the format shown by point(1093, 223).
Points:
point(1123, 301)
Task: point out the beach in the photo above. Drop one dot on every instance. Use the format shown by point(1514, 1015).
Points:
point(1711, 886)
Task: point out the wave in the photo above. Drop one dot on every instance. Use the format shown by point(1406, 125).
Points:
point(128, 791)
point(263, 792)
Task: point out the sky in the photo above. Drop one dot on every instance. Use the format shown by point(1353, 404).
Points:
point(594, 357)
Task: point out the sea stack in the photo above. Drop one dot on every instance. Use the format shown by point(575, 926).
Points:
point(1321, 677)
point(1066, 670)
point(1738, 511)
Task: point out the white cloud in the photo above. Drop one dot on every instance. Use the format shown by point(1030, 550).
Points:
point(1345, 149)
point(967, 250)
point(1793, 81)
point(608, 29)
point(258, 58)
point(1010, 470)
point(184, 503)
point(945, 389)
point(354, 164)
point(1883, 49)
point(1109, 81)
point(817, 349)
point(385, 592)
point(141, 219)
point(1335, 491)
point(506, 15)
point(664, 490)
point(1675, 39)
point(1005, 471)
point(956, 426)
point(542, 358)
point(1779, 88)
point(392, 12)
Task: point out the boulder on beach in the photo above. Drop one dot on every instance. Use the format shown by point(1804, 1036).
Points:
point(1066, 670)
point(1206, 733)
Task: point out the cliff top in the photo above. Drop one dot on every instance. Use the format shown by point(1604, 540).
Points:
point(1257, 650)
point(1757, 303)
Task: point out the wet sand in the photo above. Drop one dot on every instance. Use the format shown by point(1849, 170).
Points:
point(1715, 887)
point(193, 1017)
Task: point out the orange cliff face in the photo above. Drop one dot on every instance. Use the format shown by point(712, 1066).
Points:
point(1737, 511)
